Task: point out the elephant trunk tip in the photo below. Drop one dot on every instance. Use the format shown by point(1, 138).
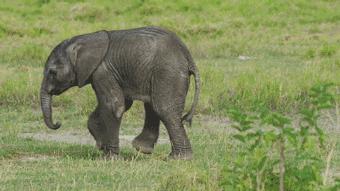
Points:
point(55, 126)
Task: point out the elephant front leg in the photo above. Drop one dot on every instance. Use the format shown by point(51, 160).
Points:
point(111, 106)
point(111, 124)
point(146, 141)
point(105, 130)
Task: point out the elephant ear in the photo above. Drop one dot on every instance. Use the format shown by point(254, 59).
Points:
point(86, 52)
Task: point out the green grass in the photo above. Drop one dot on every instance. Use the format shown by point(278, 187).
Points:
point(291, 46)
point(76, 167)
point(80, 167)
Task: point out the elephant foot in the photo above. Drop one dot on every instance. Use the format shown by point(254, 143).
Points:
point(110, 152)
point(181, 155)
point(111, 156)
point(143, 145)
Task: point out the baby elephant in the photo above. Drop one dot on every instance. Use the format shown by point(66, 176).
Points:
point(149, 64)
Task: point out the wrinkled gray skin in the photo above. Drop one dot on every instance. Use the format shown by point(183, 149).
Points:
point(149, 64)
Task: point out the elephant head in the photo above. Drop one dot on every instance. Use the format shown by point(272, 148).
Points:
point(71, 63)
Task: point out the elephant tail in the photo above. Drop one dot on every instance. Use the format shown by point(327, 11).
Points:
point(193, 71)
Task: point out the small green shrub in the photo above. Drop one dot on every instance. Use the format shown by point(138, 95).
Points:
point(272, 154)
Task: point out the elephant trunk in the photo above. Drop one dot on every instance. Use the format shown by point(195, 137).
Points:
point(46, 107)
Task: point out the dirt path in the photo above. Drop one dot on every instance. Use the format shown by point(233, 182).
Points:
point(78, 138)
point(205, 123)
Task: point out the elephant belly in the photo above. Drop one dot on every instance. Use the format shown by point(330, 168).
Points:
point(136, 85)
point(133, 95)
point(136, 80)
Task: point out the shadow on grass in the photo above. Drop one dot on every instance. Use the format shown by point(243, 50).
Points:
point(13, 148)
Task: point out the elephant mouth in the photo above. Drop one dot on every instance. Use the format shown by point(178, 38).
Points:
point(55, 92)
point(58, 91)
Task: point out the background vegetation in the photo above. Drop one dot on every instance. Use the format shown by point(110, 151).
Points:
point(249, 53)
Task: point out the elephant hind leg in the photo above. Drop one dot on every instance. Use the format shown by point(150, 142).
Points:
point(146, 141)
point(168, 99)
point(180, 144)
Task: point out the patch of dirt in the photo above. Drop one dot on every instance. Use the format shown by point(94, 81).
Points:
point(213, 121)
point(78, 138)
point(31, 158)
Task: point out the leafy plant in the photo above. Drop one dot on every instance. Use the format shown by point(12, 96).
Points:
point(272, 153)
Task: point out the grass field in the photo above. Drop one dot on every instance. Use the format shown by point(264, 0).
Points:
point(248, 53)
